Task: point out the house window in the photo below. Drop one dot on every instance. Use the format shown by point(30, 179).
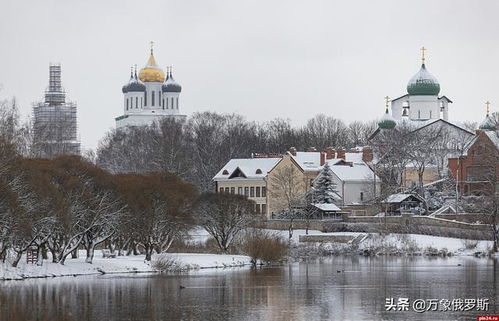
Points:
point(240, 190)
point(252, 192)
point(227, 190)
point(246, 191)
point(257, 208)
point(152, 98)
point(225, 172)
point(264, 208)
point(258, 171)
point(163, 103)
point(233, 190)
point(172, 103)
point(258, 191)
point(361, 196)
point(136, 102)
point(141, 103)
point(264, 191)
point(127, 104)
point(221, 189)
point(177, 102)
point(145, 98)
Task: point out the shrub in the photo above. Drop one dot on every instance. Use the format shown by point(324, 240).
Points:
point(470, 244)
point(264, 246)
point(164, 263)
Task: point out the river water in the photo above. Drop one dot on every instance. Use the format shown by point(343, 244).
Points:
point(337, 288)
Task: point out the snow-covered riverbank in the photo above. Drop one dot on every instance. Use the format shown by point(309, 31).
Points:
point(122, 264)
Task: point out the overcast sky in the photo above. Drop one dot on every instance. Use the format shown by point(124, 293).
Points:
point(262, 59)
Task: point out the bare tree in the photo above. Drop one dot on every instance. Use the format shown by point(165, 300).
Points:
point(224, 216)
point(287, 189)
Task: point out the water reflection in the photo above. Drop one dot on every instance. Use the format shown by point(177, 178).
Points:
point(338, 288)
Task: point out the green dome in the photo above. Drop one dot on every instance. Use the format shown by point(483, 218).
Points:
point(387, 121)
point(487, 124)
point(423, 84)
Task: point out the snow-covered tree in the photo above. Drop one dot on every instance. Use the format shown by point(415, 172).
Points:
point(325, 187)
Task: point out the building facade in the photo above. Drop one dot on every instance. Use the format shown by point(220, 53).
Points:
point(477, 172)
point(261, 179)
point(55, 121)
point(150, 96)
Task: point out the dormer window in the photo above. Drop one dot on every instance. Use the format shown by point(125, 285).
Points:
point(225, 172)
point(258, 171)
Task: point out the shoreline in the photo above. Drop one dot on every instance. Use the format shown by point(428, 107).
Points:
point(119, 265)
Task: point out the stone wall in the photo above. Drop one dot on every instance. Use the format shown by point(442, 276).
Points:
point(390, 224)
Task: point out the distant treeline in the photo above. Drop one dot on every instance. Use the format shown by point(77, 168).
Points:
point(198, 148)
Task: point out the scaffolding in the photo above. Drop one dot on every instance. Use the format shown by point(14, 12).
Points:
point(55, 122)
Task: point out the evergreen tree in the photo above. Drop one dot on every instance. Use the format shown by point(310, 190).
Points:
point(324, 187)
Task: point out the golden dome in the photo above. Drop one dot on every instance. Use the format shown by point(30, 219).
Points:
point(151, 72)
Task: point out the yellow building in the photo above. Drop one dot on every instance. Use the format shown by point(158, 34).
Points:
point(272, 183)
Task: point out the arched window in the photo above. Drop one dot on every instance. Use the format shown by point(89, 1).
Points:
point(136, 102)
point(131, 102)
point(152, 98)
point(127, 104)
point(225, 172)
point(172, 103)
point(166, 103)
point(258, 171)
point(145, 98)
point(163, 103)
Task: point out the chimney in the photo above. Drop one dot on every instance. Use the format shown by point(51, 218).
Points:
point(330, 153)
point(341, 153)
point(367, 154)
point(311, 149)
point(292, 151)
point(323, 158)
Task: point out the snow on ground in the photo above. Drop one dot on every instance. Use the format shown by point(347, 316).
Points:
point(297, 233)
point(454, 245)
point(121, 264)
point(400, 241)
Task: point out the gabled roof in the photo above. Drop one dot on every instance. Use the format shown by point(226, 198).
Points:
point(403, 96)
point(247, 167)
point(420, 124)
point(446, 98)
point(311, 161)
point(356, 172)
point(327, 207)
point(308, 161)
point(493, 136)
point(397, 198)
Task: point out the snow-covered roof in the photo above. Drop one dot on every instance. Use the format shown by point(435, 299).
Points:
point(397, 198)
point(252, 168)
point(327, 207)
point(359, 171)
point(311, 161)
point(493, 136)
point(308, 161)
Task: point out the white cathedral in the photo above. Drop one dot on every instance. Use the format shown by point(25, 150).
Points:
point(150, 97)
point(421, 106)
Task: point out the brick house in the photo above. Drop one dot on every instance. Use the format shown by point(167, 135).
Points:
point(477, 172)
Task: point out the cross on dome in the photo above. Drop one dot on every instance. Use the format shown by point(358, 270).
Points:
point(423, 49)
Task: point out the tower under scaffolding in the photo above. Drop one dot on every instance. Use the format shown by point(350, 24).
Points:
point(54, 121)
